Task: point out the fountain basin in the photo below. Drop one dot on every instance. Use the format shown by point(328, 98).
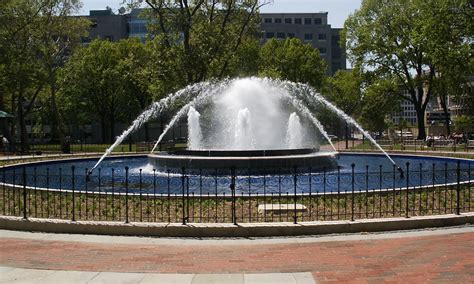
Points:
point(284, 160)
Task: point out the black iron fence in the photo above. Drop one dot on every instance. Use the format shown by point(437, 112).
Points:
point(80, 148)
point(238, 196)
point(448, 145)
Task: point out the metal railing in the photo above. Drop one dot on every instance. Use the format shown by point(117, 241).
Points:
point(416, 145)
point(237, 196)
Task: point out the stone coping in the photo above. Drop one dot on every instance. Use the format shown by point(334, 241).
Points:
point(230, 230)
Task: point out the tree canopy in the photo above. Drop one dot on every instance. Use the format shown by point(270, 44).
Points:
point(35, 39)
point(293, 60)
point(411, 40)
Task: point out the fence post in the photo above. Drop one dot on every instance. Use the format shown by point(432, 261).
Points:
point(183, 177)
point(141, 196)
point(24, 192)
point(352, 195)
point(295, 177)
point(458, 175)
point(126, 194)
point(4, 193)
point(73, 195)
point(113, 199)
point(408, 186)
point(232, 188)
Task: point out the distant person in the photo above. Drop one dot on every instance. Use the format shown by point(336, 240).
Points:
point(6, 144)
point(430, 140)
point(457, 138)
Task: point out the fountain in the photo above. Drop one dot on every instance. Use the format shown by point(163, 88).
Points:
point(253, 144)
point(243, 132)
point(294, 134)
point(194, 129)
point(259, 132)
point(254, 125)
point(250, 122)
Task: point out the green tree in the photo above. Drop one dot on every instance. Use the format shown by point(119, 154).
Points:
point(21, 77)
point(35, 39)
point(57, 37)
point(138, 75)
point(292, 60)
point(344, 89)
point(379, 101)
point(406, 39)
point(463, 124)
point(452, 56)
point(205, 36)
point(93, 84)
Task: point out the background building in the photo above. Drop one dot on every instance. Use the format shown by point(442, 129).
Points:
point(106, 25)
point(312, 28)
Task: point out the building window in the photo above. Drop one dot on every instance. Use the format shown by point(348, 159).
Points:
point(307, 21)
point(298, 21)
point(322, 50)
point(268, 20)
point(288, 21)
point(277, 20)
point(308, 36)
point(280, 35)
point(318, 21)
point(269, 35)
point(290, 35)
point(322, 36)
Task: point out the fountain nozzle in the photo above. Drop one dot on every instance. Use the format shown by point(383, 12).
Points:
point(88, 175)
point(402, 174)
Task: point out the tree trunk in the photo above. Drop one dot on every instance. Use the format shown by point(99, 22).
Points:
point(13, 125)
point(22, 126)
point(147, 132)
point(59, 125)
point(112, 128)
point(4, 124)
point(420, 115)
point(102, 127)
point(420, 108)
point(444, 106)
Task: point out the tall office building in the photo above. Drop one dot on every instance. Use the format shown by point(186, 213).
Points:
point(312, 28)
point(106, 25)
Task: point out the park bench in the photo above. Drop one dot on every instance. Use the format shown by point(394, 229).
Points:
point(385, 144)
point(143, 147)
point(443, 143)
point(469, 144)
point(281, 208)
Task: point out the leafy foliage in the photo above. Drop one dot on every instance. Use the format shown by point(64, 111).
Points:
point(292, 60)
point(411, 40)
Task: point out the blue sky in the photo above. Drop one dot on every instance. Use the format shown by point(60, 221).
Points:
point(338, 10)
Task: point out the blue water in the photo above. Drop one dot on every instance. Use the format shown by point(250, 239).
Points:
point(371, 171)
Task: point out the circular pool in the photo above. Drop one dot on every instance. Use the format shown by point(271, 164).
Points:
point(135, 175)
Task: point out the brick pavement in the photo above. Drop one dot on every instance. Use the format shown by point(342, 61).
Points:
point(441, 258)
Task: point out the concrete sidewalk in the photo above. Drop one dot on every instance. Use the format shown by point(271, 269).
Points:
point(440, 255)
point(19, 275)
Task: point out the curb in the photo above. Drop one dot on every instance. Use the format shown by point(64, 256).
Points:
point(230, 230)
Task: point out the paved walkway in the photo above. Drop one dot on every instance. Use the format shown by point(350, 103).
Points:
point(442, 255)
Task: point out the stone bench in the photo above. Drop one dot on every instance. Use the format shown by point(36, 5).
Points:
point(281, 208)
